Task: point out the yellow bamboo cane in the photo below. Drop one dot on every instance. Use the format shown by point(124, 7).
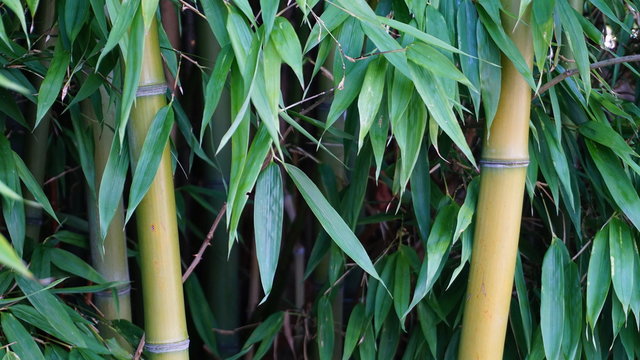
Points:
point(504, 160)
point(164, 314)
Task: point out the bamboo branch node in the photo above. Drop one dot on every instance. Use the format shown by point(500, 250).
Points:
point(151, 90)
point(504, 163)
point(167, 347)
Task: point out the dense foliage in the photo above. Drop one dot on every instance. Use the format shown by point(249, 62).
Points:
point(337, 141)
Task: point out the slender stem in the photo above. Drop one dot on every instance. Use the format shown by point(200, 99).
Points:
point(600, 64)
point(207, 241)
point(109, 256)
point(499, 208)
point(164, 313)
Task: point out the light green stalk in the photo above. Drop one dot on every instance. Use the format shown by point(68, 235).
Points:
point(164, 313)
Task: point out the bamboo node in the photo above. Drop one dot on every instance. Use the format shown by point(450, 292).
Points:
point(151, 90)
point(167, 347)
point(504, 163)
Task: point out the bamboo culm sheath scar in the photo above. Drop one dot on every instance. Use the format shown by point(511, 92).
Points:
point(164, 314)
point(504, 163)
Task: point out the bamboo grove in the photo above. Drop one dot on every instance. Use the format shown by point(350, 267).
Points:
point(309, 179)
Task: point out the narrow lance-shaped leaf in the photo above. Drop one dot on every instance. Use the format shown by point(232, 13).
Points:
point(552, 310)
point(267, 222)
point(32, 185)
point(490, 74)
point(354, 330)
point(326, 334)
point(10, 259)
point(621, 245)
point(371, 96)
point(617, 181)
point(287, 44)
point(16, 7)
point(52, 83)
point(121, 24)
point(598, 276)
point(112, 184)
point(21, 341)
point(133, 68)
point(466, 23)
point(331, 222)
point(438, 246)
point(215, 85)
point(152, 149)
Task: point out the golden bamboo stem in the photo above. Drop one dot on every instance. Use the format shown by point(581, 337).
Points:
point(112, 264)
point(164, 314)
point(505, 155)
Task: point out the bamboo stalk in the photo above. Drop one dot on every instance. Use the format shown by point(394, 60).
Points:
point(111, 263)
point(164, 314)
point(504, 160)
point(37, 144)
point(222, 267)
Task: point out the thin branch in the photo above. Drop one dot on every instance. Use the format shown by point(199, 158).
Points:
point(139, 349)
point(205, 243)
point(597, 65)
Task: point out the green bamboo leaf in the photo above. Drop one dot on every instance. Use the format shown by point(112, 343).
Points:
point(245, 7)
point(271, 64)
point(331, 222)
point(287, 44)
point(552, 300)
point(573, 303)
point(505, 44)
point(438, 246)
point(267, 222)
point(32, 185)
point(490, 74)
point(266, 330)
point(402, 283)
point(575, 37)
point(608, 12)
point(428, 324)
point(354, 330)
point(149, 8)
point(421, 192)
point(433, 96)
point(133, 68)
point(146, 167)
point(216, 14)
point(389, 339)
point(74, 265)
point(10, 259)
point(121, 24)
point(76, 13)
point(399, 97)
point(621, 247)
point(371, 96)
point(47, 304)
point(409, 133)
point(331, 19)
point(12, 205)
point(268, 8)
point(344, 96)
point(438, 63)
point(558, 157)
point(247, 179)
point(383, 301)
point(465, 215)
point(379, 135)
point(215, 85)
point(33, 6)
point(52, 83)
point(201, 313)
point(603, 134)
point(16, 8)
point(84, 143)
point(9, 84)
point(112, 184)
point(616, 180)
point(467, 19)
point(422, 36)
point(523, 302)
point(326, 335)
point(89, 86)
point(598, 276)
point(21, 341)
point(367, 348)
